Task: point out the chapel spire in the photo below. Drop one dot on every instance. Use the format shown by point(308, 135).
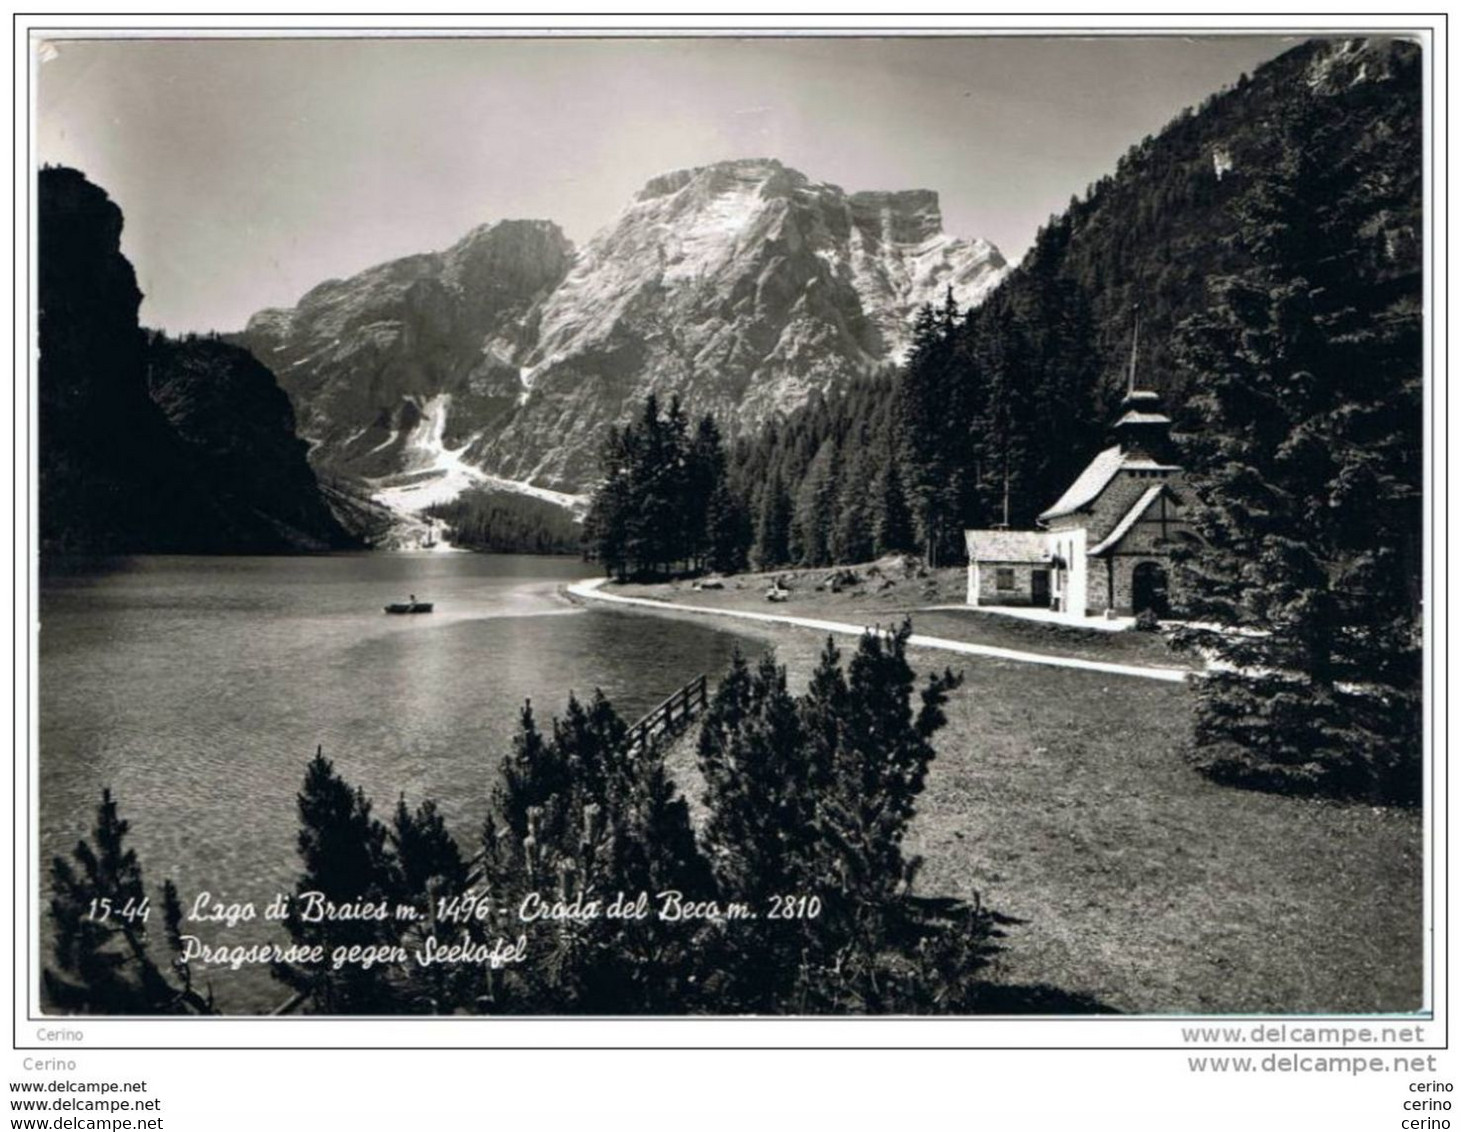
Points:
point(1143, 430)
point(1135, 338)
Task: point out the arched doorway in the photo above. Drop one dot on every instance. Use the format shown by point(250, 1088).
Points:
point(1149, 589)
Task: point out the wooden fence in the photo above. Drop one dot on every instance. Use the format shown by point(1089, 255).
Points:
point(671, 715)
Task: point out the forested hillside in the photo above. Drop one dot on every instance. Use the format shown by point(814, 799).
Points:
point(509, 523)
point(997, 409)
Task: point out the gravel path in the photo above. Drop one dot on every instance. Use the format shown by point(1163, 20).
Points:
point(589, 590)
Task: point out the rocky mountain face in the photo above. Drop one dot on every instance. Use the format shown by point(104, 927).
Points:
point(92, 398)
point(214, 467)
point(233, 419)
point(368, 359)
point(742, 286)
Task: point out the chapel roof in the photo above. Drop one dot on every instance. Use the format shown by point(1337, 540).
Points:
point(1118, 532)
point(1006, 546)
point(1100, 472)
point(1089, 484)
point(1137, 417)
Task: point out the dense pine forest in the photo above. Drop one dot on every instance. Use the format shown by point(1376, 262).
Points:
point(665, 504)
point(1306, 410)
point(509, 523)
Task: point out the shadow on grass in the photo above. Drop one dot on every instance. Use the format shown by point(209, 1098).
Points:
point(942, 912)
point(1035, 998)
point(1322, 777)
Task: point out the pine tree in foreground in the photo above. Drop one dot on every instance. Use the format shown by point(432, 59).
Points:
point(807, 803)
point(103, 952)
point(584, 817)
point(430, 874)
point(809, 799)
point(1306, 467)
point(346, 859)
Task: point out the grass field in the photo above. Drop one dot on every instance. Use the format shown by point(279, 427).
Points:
point(1062, 798)
point(887, 599)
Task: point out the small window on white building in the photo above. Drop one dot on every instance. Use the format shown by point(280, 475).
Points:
point(1004, 577)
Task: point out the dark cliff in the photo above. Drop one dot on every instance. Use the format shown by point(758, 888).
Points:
point(215, 468)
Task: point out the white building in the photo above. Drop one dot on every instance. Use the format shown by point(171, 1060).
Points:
point(1105, 543)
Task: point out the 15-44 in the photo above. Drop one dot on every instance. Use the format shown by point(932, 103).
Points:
point(133, 911)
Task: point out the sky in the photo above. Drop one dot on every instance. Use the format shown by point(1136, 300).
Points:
point(250, 170)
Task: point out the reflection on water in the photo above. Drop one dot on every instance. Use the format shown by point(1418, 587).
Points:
point(197, 688)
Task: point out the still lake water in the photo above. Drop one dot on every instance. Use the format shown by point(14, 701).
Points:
point(198, 688)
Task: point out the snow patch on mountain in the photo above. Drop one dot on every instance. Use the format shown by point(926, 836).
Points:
point(437, 473)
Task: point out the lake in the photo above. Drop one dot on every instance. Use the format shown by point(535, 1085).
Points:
point(198, 688)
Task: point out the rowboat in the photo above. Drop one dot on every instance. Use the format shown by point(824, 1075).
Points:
point(409, 607)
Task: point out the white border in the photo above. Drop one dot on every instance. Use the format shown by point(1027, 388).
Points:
point(1090, 1033)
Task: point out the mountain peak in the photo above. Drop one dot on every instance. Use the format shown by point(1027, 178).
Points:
point(507, 245)
point(720, 174)
point(902, 216)
point(498, 229)
point(742, 285)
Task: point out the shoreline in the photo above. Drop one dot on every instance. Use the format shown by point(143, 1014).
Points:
point(590, 590)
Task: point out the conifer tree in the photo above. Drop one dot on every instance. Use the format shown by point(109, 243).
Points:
point(892, 524)
point(345, 858)
point(920, 425)
point(1305, 453)
point(586, 815)
point(759, 834)
point(759, 790)
point(429, 874)
point(611, 510)
point(102, 948)
point(531, 776)
point(1005, 445)
point(656, 503)
point(934, 417)
point(704, 475)
point(652, 512)
point(862, 728)
point(773, 526)
point(814, 511)
point(853, 512)
point(813, 795)
point(727, 532)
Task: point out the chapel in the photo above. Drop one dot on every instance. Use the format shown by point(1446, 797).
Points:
point(1103, 548)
